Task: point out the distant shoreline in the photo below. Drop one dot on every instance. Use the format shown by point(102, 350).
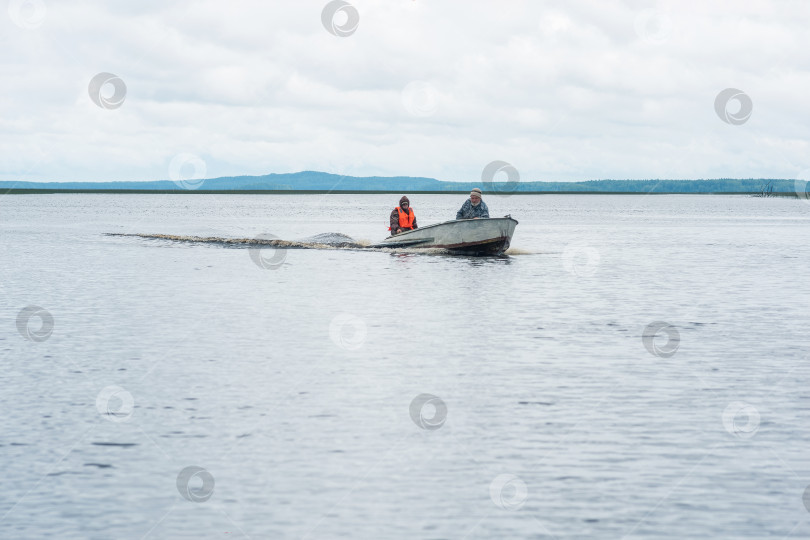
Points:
point(38, 191)
point(319, 183)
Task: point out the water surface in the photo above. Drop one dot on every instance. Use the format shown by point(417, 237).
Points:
point(291, 385)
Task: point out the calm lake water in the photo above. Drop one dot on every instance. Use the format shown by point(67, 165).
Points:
point(637, 367)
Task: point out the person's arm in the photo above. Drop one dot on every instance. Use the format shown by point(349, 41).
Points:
point(394, 222)
point(485, 210)
point(460, 213)
point(414, 222)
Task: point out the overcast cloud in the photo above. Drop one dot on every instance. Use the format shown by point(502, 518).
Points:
point(566, 90)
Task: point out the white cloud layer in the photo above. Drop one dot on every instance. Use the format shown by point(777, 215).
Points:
point(565, 90)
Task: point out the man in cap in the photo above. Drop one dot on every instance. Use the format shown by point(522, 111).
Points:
point(402, 217)
point(474, 207)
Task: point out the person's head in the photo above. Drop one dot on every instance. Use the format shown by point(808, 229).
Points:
point(404, 203)
point(475, 196)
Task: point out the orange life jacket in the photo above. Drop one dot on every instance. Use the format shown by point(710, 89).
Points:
point(406, 219)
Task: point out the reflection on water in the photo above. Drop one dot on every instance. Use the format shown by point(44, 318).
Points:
point(185, 390)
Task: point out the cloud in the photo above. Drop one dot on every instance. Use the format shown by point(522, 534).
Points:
point(562, 90)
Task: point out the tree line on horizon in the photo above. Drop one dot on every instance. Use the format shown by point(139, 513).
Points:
point(318, 181)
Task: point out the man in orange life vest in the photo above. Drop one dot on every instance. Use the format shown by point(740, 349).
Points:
point(402, 217)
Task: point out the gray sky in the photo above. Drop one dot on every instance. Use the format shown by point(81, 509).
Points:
point(566, 90)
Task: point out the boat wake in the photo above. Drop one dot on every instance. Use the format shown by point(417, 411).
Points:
point(319, 241)
point(519, 251)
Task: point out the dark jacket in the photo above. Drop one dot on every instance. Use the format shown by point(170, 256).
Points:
point(468, 211)
point(394, 220)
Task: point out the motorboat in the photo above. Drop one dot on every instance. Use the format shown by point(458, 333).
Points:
point(484, 236)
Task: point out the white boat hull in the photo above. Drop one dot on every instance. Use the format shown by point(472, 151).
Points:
point(487, 236)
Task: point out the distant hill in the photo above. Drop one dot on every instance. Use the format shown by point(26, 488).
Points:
point(320, 181)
